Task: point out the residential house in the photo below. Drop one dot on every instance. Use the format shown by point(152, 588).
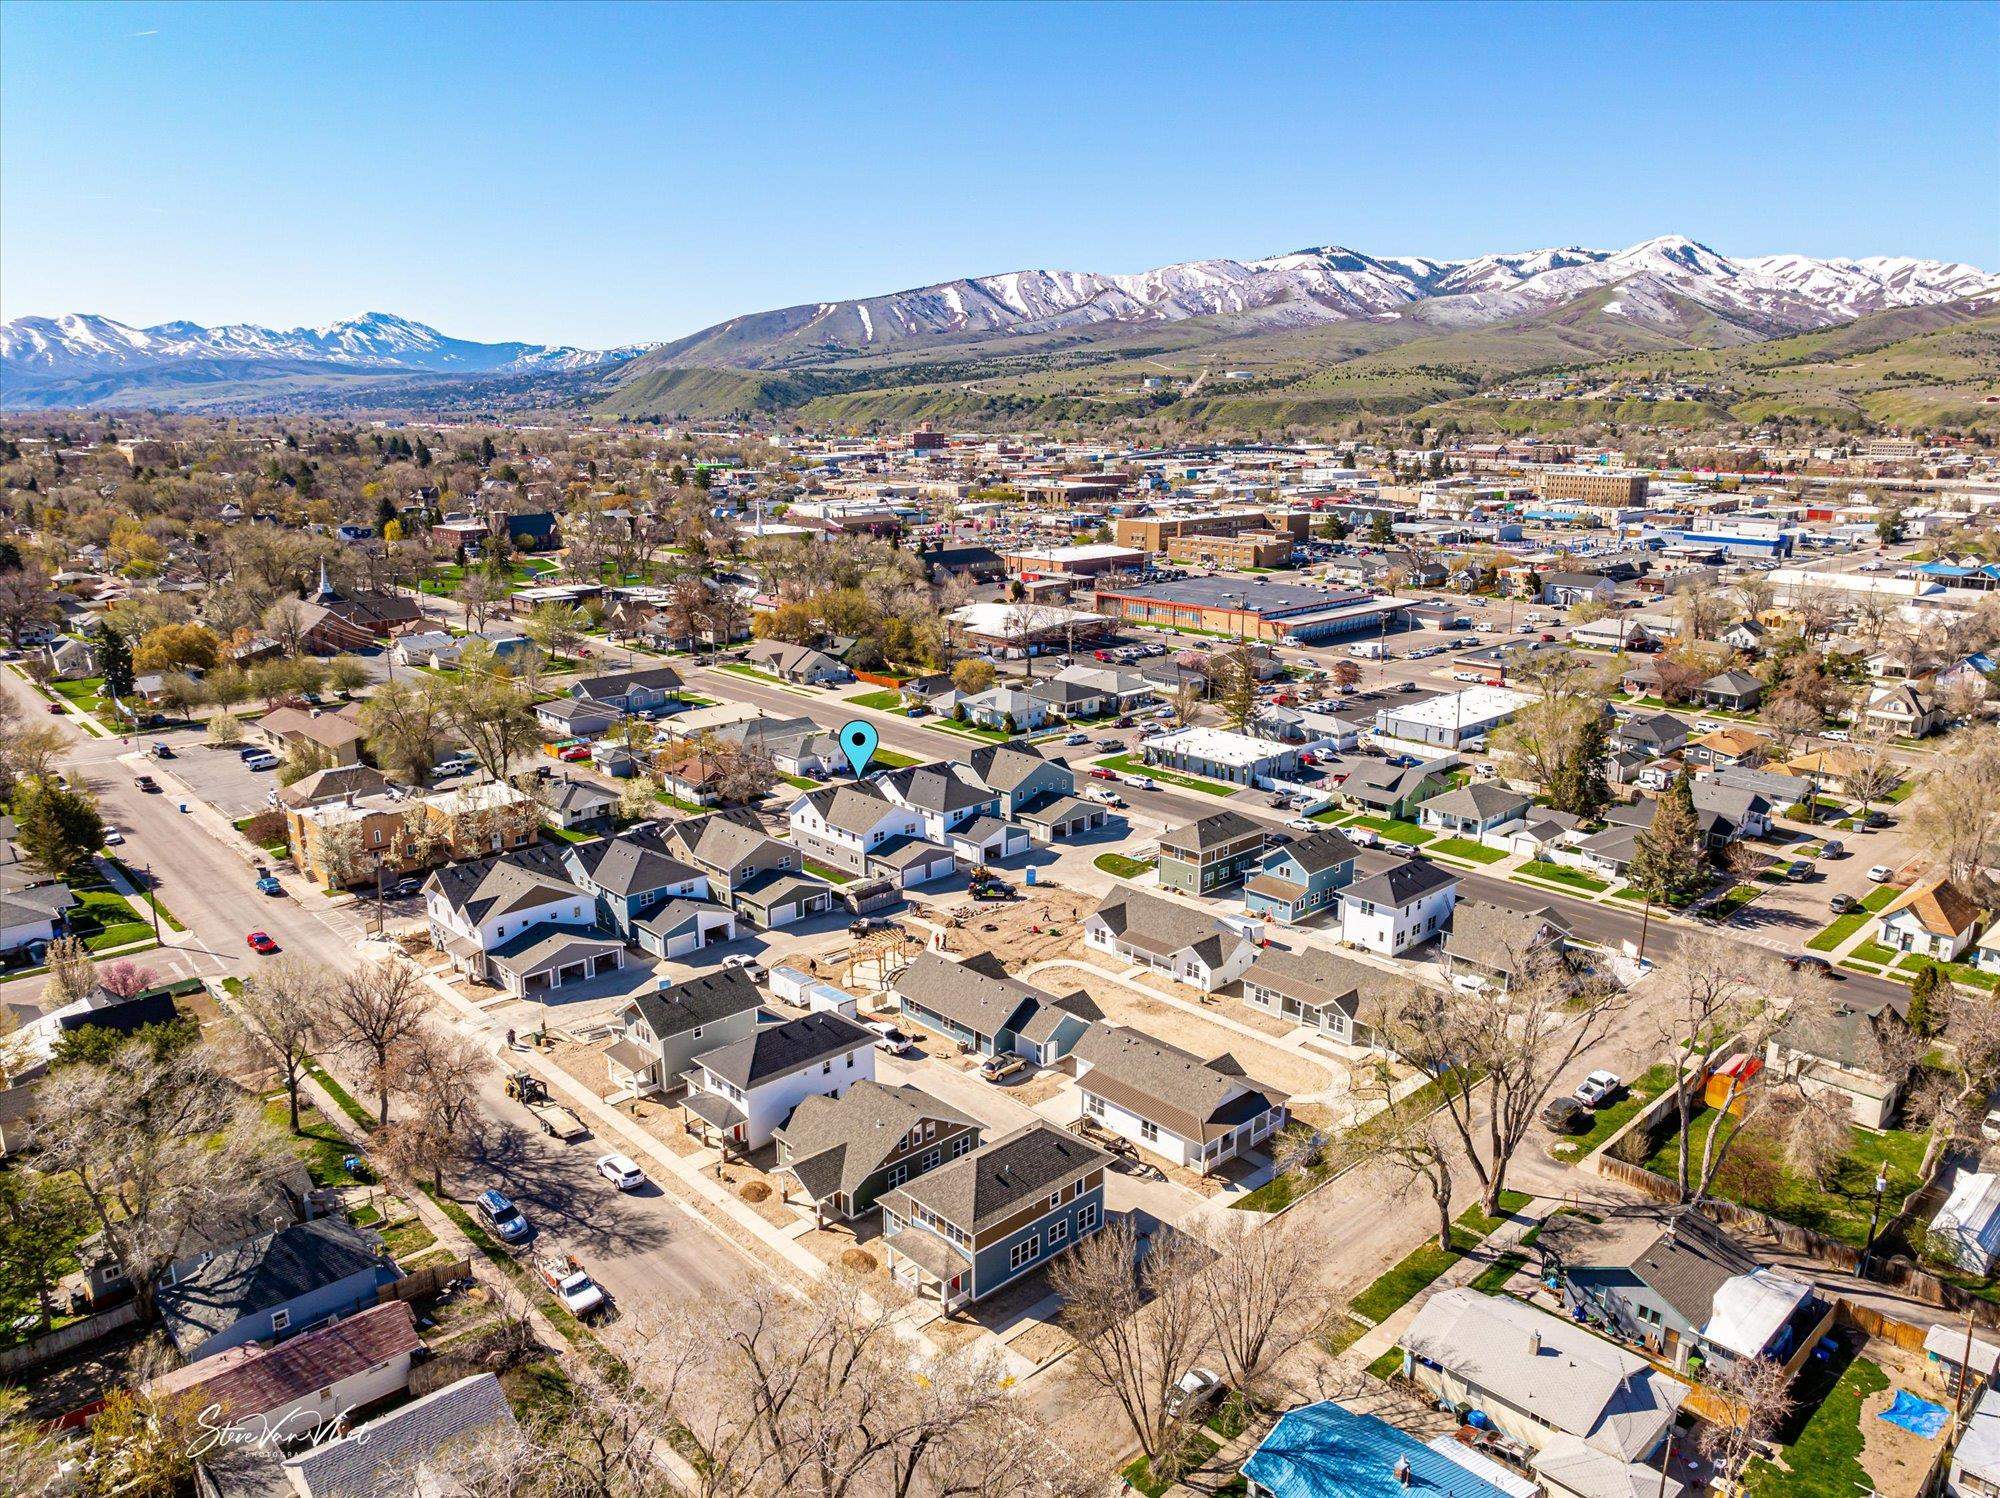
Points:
point(1903, 710)
point(1122, 690)
point(574, 718)
point(69, 658)
point(1070, 700)
point(1203, 950)
point(274, 1286)
point(570, 803)
point(1738, 691)
point(1986, 950)
point(1734, 747)
point(1856, 1051)
point(1475, 809)
point(1746, 635)
point(1190, 1112)
point(644, 693)
point(975, 1002)
point(739, 1093)
point(1395, 904)
point(1641, 678)
point(1382, 789)
point(858, 829)
point(335, 783)
point(1020, 775)
point(316, 1380)
point(1681, 1285)
point(845, 1152)
point(957, 810)
point(1590, 1414)
point(976, 1224)
point(1008, 709)
point(689, 772)
point(1725, 812)
point(1975, 1462)
point(475, 908)
point(543, 960)
point(1297, 880)
point(631, 876)
point(661, 1033)
point(33, 914)
point(796, 746)
point(434, 1434)
point(1562, 589)
point(1325, 1450)
point(1933, 918)
point(797, 663)
point(1343, 999)
point(1967, 1226)
point(936, 693)
point(1210, 853)
point(731, 848)
point(425, 648)
point(335, 737)
point(1491, 946)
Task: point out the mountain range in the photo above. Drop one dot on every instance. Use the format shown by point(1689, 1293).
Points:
point(1334, 328)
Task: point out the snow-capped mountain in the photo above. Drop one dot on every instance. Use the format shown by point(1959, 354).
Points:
point(81, 343)
point(1763, 295)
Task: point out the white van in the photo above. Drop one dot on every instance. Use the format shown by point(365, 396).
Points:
point(1368, 650)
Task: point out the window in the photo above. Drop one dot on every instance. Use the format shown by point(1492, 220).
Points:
point(899, 1174)
point(1086, 1217)
point(695, 1034)
point(1055, 1200)
point(1024, 1251)
point(280, 1319)
point(933, 1158)
point(1092, 1103)
point(960, 1145)
point(1058, 1230)
point(850, 1061)
point(1148, 1130)
point(825, 1067)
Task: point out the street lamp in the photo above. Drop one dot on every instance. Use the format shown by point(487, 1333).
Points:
point(146, 872)
point(1875, 1216)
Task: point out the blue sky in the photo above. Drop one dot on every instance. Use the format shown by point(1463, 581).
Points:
point(605, 174)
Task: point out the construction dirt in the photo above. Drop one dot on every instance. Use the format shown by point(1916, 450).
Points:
point(1044, 924)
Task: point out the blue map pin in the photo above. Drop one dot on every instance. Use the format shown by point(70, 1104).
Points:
point(857, 741)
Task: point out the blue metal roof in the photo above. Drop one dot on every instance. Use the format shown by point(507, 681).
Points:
point(1325, 1451)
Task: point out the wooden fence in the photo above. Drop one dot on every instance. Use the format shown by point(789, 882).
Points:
point(52, 1345)
point(419, 1283)
point(878, 679)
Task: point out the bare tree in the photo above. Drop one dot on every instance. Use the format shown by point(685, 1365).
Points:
point(1186, 701)
point(374, 1013)
point(1955, 813)
point(493, 718)
point(1495, 1071)
point(1138, 1322)
point(160, 1146)
point(280, 1009)
point(1256, 1293)
point(71, 972)
point(1818, 1133)
point(478, 594)
point(1757, 1394)
point(1415, 1142)
point(440, 1074)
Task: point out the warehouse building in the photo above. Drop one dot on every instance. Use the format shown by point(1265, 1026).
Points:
point(1291, 613)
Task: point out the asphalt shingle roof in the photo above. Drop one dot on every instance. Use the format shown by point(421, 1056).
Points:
point(777, 1050)
point(994, 1180)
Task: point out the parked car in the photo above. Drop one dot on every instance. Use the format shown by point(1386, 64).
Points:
point(895, 1042)
point(56, 708)
point(147, 784)
point(1566, 1115)
point(1597, 1089)
point(502, 1215)
point(1303, 824)
point(1110, 744)
point(1103, 774)
point(863, 925)
point(260, 942)
point(1401, 850)
point(752, 968)
point(998, 1068)
point(574, 753)
point(1806, 962)
point(1843, 904)
point(1194, 1390)
point(1833, 848)
point(1361, 837)
point(1076, 738)
point(575, 1289)
point(621, 1171)
point(163, 751)
point(269, 885)
point(264, 759)
point(405, 887)
point(1799, 870)
point(1881, 873)
point(113, 837)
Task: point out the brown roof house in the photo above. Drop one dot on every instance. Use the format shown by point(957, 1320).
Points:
point(1933, 917)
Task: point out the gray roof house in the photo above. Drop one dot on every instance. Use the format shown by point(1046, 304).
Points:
point(434, 1434)
point(796, 662)
point(1199, 948)
point(1474, 808)
point(666, 1030)
point(1736, 690)
point(269, 1286)
point(845, 1151)
point(738, 1094)
point(1655, 733)
point(1191, 1112)
point(1337, 996)
point(976, 1003)
point(1492, 945)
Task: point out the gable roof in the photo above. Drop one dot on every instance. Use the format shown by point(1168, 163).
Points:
point(1939, 905)
point(994, 1180)
point(698, 1001)
point(1680, 1256)
point(1327, 1451)
point(1498, 937)
point(1216, 830)
point(935, 787)
point(722, 840)
point(1314, 853)
point(1173, 1088)
point(1164, 926)
point(1005, 766)
point(618, 683)
point(1479, 801)
point(855, 809)
point(630, 863)
point(382, 1455)
point(253, 1379)
point(504, 883)
point(1400, 882)
point(836, 1143)
point(264, 1272)
point(778, 1050)
point(1323, 979)
point(973, 993)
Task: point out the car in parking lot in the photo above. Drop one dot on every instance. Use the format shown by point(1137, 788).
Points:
point(163, 751)
point(260, 942)
point(621, 1171)
point(263, 759)
point(999, 1068)
point(1881, 873)
point(1597, 1089)
point(502, 1216)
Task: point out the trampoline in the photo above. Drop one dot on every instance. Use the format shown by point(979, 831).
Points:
point(1918, 1416)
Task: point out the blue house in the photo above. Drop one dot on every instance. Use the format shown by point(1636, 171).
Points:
point(273, 1286)
point(631, 877)
point(1325, 1450)
point(651, 691)
point(976, 1224)
point(1298, 880)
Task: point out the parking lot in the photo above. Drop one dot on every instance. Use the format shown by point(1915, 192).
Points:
point(217, 776)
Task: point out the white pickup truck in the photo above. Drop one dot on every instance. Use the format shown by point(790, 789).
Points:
point(576, 1290)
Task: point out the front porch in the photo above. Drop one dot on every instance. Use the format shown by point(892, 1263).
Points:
point(717, 1122)
point(930, 1268)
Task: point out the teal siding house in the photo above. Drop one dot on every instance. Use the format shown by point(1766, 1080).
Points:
point(1297, 881)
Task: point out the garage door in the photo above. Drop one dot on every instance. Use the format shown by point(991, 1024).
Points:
point(681, 945)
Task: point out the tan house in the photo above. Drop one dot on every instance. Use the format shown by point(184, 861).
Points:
point(336, 734)
point(348, 842)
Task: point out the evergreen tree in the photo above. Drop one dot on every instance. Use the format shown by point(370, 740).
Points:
point(56, 829)
point(1928, 1000)
point(114, 661)
point(1670, 859)
point(1581, 786)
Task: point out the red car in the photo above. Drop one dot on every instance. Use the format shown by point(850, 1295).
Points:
point(261, 943)
point(575, 752)
point(1103, 775)
point(55, 707)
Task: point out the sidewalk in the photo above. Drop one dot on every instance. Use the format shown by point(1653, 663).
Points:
point(1380, 1338)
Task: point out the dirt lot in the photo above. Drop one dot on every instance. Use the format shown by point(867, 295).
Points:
point(1897, 1460)
point(1284, 1069)
point(1243, 1014)
point(1057, 912)
point(585, 1062)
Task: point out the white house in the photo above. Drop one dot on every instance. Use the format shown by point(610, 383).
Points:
point(1933, 918)
point(1188, 1111)
point(1392, 908)
point(738, 1096)
point(861, 831)
point(476, 907)
point(1969, 1221)
point(1203, 950)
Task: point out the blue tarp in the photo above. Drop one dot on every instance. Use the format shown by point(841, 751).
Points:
point(1918, 1416)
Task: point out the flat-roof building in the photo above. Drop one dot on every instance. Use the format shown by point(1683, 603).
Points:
point(1252, 610)
point(1447, 722)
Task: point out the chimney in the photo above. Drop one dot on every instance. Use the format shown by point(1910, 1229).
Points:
point(1534, 1344)
point(1402, 1470)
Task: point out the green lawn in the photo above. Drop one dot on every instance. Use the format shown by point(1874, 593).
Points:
point(971, 731)
point(1605, 1122)
point(1404, 1281)
point(103, 918)
point(1388, 1365)
point(1465, 848)
point(1875, 952)
point(1958, 972)
point(1126, 764)
point(319, 1143)
point(1756, 1175)
point(1822, 1461)
point(277, 847)
point(893, 759)
point(826, 872)
point(800, 782)
point(1121, 866)
point(1901, 793)
point(568, 835)
point(1732, 902)
point(740, 669)
point(1838, 931)
point(882, 701)
point(1395, 830)
point(1494, 1277)
point(678, 803)
point(1876, 899)
point(1197, 1449)
point(1556, 874)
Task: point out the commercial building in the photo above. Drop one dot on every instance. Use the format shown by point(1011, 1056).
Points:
point(1244, 549)
point(1593, 486)
point(1220, 754)
point(1448, 722)
point(1252, 610)
point(1076, 561)
point(1155, 533)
